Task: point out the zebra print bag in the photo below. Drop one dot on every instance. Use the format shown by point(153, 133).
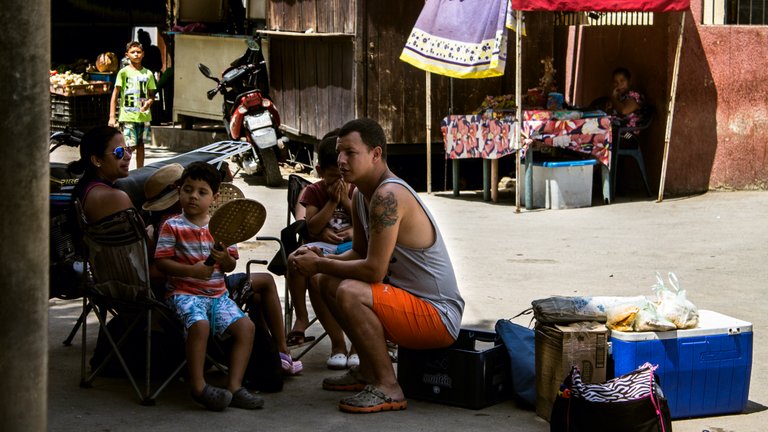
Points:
point(630, 403)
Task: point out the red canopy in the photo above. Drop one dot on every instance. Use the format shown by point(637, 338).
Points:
point(602, 5)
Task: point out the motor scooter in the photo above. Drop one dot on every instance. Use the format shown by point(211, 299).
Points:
point(249, 114)
point(66, 266)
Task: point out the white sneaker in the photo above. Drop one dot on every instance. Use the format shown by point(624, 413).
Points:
point(337, 361)
point(353, 361)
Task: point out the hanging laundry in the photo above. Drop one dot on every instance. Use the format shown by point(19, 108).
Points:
point(460, 38)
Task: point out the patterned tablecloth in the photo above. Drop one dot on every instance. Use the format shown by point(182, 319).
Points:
point(480, 136)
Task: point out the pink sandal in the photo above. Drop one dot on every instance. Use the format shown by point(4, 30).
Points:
point(290, 366)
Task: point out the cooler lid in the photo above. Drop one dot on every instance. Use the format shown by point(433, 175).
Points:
point(710, 323)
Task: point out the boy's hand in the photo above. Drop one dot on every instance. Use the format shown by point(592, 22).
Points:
point(333, 191)
point(145, 106)
point(112, 122)
point(329, 235)
point(220, 255)
point(201, 271)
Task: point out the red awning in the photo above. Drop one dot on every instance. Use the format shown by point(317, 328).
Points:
point(602, 5)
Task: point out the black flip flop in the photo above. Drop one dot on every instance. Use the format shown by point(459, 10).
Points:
point(295, 338)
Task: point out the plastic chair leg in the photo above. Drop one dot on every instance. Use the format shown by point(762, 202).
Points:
point(638, 156)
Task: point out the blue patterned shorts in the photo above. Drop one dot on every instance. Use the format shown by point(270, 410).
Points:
point(137, 134)
point(220, 312)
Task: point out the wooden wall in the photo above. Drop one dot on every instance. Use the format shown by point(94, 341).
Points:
point(311, 83)
point(322, 16)
point(367, 77)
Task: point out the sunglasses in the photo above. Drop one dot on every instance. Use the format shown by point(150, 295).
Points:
point(119, 152)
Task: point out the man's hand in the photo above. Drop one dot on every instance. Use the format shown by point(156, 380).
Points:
point(304, 260)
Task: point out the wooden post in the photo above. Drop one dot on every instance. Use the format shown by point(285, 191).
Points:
point(518, 105)
point(671, 108)
point(429, 131)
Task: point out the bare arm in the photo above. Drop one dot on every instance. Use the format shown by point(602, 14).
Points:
point(113, 106)
point(318, 217)
point(173, 268)
point(103, 201)
point(386, 214)
point(628, 106)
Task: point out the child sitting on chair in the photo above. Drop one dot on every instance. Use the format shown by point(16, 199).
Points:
point(198, 294)
point(328, 204)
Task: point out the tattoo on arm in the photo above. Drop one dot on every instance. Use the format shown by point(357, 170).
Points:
point(383, 211)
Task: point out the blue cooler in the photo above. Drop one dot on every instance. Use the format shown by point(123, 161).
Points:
point(703, 371)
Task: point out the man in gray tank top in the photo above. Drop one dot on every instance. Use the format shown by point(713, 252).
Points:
point(396, 283)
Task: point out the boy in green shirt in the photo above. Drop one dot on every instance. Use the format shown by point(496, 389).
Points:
point(135, 89)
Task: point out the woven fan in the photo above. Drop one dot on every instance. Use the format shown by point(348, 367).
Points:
point(235, 221)
point(227, 192)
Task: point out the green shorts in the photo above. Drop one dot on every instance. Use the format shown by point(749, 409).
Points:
point(137, 134)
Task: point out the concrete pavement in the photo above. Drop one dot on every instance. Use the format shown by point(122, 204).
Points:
point(715, 243)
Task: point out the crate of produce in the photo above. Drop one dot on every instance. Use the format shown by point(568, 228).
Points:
point(90, 88)
point(704, 371)
point(472, 373)
point(79, 112)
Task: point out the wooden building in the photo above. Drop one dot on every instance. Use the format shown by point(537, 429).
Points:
point(332, 61)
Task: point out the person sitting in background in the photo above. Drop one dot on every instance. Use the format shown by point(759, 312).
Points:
point(328, 212)
point(626, 104)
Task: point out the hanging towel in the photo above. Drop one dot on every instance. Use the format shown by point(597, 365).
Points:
point(460, 38)
point(512, 21)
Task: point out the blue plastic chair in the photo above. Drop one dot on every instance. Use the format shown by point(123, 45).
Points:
point(627, 143)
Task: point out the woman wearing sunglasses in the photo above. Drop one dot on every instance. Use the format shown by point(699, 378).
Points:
point(104, 158)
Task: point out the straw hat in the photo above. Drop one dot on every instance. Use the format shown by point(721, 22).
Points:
point(160, 189)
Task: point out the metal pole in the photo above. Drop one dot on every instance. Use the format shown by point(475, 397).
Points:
point(671, 108)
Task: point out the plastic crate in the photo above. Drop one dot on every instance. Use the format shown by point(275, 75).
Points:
point(108, 77)
point(79, 112)
point(703, 371)
point(562, 184)
point(473, 373)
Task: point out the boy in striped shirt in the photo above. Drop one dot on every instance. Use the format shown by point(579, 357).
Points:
point(198, 294)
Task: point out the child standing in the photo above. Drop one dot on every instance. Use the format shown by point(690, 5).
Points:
point(198, 294)
point(135, 91)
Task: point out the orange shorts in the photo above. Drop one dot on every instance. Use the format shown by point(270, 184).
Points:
point(408, 320)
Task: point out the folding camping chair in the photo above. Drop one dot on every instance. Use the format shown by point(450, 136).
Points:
point(117, 283)
point(291, 237)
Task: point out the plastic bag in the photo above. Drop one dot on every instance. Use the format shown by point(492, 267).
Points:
point(648, 318)
point(564, 310)
point(673, 304)
point(622, 316)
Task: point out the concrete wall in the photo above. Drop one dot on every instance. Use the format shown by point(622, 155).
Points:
point(736, 89)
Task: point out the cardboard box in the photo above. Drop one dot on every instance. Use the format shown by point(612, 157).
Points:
point(558, 348)
point(563, 184)
point(472, 373)
point(703, 371)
